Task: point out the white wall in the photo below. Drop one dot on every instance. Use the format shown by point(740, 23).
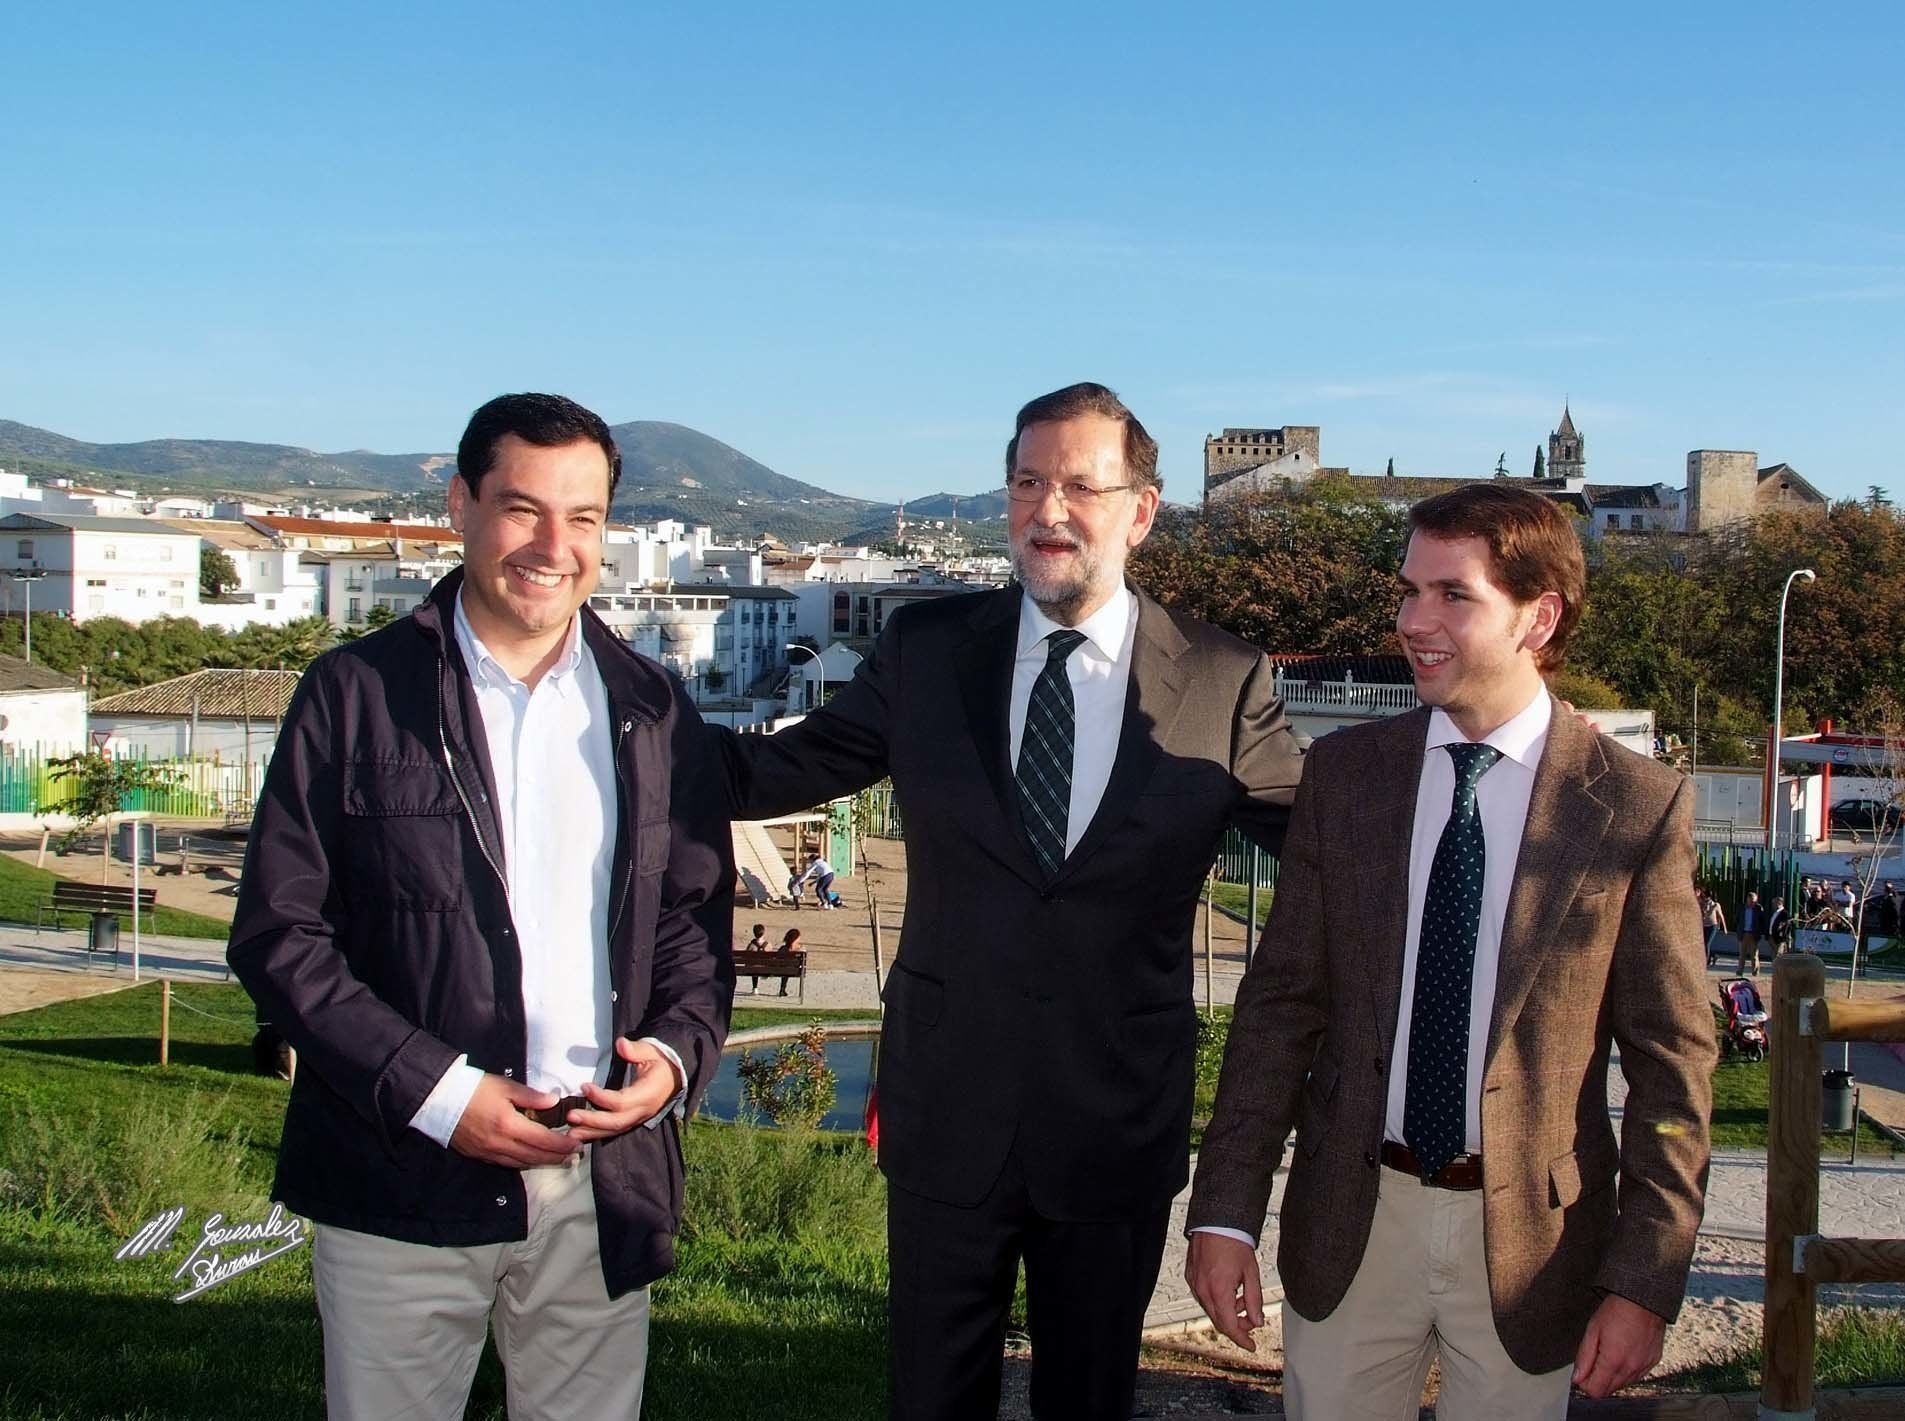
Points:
point(49, 722)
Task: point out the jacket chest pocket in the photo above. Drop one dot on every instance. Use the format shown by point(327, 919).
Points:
point(403, 832)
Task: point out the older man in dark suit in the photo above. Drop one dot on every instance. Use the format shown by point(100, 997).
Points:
point(1067, 755)
point(1476, 899)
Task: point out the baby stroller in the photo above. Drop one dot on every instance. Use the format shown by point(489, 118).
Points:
point(1745, 1017)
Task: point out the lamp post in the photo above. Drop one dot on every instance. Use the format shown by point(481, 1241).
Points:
point(1779, 707)
point(796, 646)
point(29, 576)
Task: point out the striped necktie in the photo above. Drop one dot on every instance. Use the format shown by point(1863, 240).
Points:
point(1045, 755)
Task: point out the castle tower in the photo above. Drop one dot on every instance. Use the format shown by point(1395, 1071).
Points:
point(1721, 485)
point(1567, 450)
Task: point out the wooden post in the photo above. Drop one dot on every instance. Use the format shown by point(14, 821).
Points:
point(165, 1021)
point(1250, 910)
point(879, 959)
point(1210, 910)
point(1792, 1186)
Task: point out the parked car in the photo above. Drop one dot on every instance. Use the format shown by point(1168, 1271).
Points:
point(1863, 816)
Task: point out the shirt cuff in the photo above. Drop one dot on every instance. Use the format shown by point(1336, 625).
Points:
point(437, 1117)
point(1238, 1234)
point(673, 1107)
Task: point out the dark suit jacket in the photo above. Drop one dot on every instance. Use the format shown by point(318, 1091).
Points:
point(1057, 1013)
point(1601, 942)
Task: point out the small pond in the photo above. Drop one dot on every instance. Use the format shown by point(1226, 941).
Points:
point(850, 1060)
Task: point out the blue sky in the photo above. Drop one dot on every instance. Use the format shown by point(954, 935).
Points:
point(850, 240)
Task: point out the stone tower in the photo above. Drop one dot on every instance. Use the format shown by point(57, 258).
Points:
point(1567, 450)
point(1721, 487)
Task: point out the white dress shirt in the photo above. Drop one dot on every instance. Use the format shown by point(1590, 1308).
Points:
point(1100, 676)
point(551, 750)
point(1501, 797)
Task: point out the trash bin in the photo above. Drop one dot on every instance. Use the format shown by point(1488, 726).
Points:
point(1837, 1113)
point(103, 934)
point(142, 831)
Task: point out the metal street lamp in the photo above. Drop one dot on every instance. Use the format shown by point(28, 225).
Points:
point(796, 646)
point(1779, 707)
point(28, 575)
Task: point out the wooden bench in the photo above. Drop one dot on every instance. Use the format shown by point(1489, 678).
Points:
point(751, 962)
point(201, 853)
point(89, 898)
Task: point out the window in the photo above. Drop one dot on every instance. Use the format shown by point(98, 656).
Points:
point(178, 602)
point(96, 603)
point(1613, 520)
point(110, 553)
point(165, 552)
point(842, 606)
point(26, 547)
point(271, 604)
point(95, 582)
point(1635, 521)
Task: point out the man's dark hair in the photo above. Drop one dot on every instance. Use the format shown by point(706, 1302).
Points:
point(547, 421)
point(1088, 398)
point(1532, 548)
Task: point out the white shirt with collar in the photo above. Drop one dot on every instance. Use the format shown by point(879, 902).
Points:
point(1100, 675)
point(1501, 797)
point(551, 751)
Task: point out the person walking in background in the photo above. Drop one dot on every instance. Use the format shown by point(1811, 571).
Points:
point(1713, 916)
point(1779, 927)
point(1752, 929)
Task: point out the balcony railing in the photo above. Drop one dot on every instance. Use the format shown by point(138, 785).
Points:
point(1348, 697)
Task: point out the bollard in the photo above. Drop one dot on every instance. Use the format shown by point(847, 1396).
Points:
point(165, 1021)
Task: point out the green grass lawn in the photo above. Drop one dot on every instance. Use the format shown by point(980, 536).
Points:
point(24, 888)
point(1857, 1347)
point(1236, 898)
point(1740, 1095)
point(780, 1290)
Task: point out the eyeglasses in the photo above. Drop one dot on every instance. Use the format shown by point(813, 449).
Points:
point(1030, 488)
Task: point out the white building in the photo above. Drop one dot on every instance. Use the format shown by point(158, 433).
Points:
point(100, 567)
point(274, 586)
point(41, 712)
point(229, 715)
point(358, 566)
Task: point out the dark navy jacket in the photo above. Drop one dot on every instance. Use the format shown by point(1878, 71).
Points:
point(374, 929)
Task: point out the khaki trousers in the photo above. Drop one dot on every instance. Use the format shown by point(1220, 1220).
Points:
point(404, 1322)
point(1422, 1291)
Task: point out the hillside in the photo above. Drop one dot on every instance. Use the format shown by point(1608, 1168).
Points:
point(668, 471)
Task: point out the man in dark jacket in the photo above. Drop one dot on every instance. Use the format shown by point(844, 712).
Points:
point(489, 902)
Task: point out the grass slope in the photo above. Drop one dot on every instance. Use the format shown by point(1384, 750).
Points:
point(777, 1307)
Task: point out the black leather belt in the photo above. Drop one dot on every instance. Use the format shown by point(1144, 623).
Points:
point(1462, 1172)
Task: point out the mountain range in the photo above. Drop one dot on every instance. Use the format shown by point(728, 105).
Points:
point(668, 471)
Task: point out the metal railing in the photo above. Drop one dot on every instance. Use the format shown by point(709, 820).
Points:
point(1349, 697)
point(1798, 1257)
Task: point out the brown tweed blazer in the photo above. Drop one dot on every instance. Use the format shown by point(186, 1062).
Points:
point(1601, 943)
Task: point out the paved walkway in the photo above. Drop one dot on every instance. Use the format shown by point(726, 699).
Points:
point(1866, 1200)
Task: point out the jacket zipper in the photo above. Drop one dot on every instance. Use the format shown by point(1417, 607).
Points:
point(449, 762)
point(634, 849)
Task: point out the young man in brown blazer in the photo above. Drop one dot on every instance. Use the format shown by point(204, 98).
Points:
point(1476, 898)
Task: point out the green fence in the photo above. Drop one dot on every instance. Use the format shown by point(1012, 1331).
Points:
point(1730, 871)
point(199, 789)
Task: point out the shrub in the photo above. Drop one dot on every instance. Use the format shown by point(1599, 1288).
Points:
point(746, 1184)
point(792, 1085)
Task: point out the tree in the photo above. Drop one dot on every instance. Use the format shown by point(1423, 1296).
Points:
point(1541, 463)
point(376, 618)
point(792, 1086)
point(1390, 472)
point(1501, 465)
point(97, 787)
point(1877, 498)
point(216, 572)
